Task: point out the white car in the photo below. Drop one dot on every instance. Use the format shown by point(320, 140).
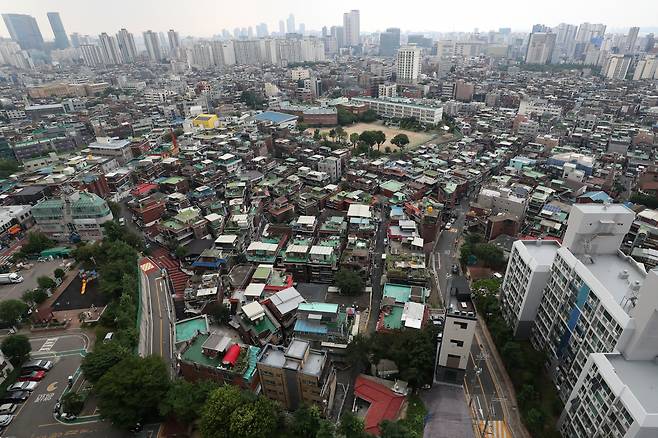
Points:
point(23, 386)
point(448, 225)
point(5, 420)
point(8, 408)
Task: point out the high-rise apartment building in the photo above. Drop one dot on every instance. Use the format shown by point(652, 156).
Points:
point(352, 28)
point(616, 67)
point(174, 40)
point(389, 42)
point(24, 30)
point(577, 298)
point(282, 28)
point(631, 39)
point(152, 43)
point(61, 39)
point(92, 55)
point(646, 68)
point(338, 33)
point(290, 24)
point(110, 49)
point(297, 375)
point(588, 31)
point(127, 45)
point(408, 64)
point(540, 48)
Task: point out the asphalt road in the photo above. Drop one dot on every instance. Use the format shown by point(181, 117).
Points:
point(484, 397)
point(157, 323)
point(35, 418)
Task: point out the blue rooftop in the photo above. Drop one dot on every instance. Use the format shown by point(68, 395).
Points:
point(310, 327)
point(599, 196)
point(274, 117)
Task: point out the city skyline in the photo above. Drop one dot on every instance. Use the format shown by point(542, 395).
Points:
point(434, 18)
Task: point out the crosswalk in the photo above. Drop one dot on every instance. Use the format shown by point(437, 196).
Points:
point(4, 259)
point(48, 345)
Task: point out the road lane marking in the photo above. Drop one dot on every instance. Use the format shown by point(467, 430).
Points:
point(52, 387)
point(45, 397)
point(48, 345)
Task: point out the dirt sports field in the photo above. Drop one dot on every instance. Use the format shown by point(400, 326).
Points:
point(415, 138)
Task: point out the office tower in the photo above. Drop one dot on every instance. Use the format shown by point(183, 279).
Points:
point(339, 35)
point(91, 55)
point(261, 30)
point(389, 41)
point(352, 28)
point(174, 40)
point(408, 64)
point(302, 28)
point(616, 67)
point(580, 297)
point(540, 48)
point(290, 24)
point(24, 30)
point(127, 45)
point(152, 43)
point(110, 49)
point(75, 40)
point(540, 28)
point(297, 375)
point(61, 40)
point(282, 28)
point(631, 39)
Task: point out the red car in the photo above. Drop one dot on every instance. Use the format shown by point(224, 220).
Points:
point(32, 376)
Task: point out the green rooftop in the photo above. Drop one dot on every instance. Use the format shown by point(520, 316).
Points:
point(246, 362)
point(393, 320)
point(188, 328)
point(400, 293)
point(318, 307)
point(264, 325)
point(392, 186)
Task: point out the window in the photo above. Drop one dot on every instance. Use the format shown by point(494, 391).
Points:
point(457, 343)
point(461, 325)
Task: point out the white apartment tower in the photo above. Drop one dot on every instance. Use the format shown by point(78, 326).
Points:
point(110, 49)
point(352, 28)
point(174, 40)
point(616, 67)
point(540, 48)
point(408, 67)
point(126, 45)
point(152, 43)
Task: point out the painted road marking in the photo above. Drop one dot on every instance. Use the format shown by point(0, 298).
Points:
point(48, 345)
point(147, 266)
point(52, 387)
point(44, 397)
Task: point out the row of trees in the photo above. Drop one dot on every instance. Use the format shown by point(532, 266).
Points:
point(36, 242)
point(537, 400)
point(346, 117)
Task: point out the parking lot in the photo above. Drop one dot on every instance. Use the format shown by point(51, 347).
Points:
point(15, 291)
point(34, 418)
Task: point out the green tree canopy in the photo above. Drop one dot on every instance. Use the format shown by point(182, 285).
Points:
point(35, 296)
point(16, 348)
point(349, 282)
point(345, 117)
point(216, 415)
point(369, 116)
point(36, 242)
point(12, 311)
point(8, 167)
point(185, 400)
point(306, 421)
point(255, 420)
point(400, 140)
point(131, 391)
point(351, 427)
point(59, 273)
point(46, 282)
point(368, 137)
point(73, 402)
point(380, 138)
point(354, 138)
point(106, 354)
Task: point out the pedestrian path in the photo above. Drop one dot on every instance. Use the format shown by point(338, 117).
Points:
point(48, 345)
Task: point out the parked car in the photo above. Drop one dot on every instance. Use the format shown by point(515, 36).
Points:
point(23, 386)
point(448, 225)
point(8, 408)
point(5, 420)
point(37, 365)
point(32, 376)
point(15, 397)
point(455, 269)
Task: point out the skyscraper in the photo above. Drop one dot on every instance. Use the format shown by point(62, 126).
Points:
point(352, 28)
point(302, 28)
point(110, 49)
point(408, 64)
point(282, 27)
point(290, 23)
point(152, 43)
point(126, 45)
point(389, 41)
point(61, 39)
point(24, 30)
point(616, 67)
point(540, 48)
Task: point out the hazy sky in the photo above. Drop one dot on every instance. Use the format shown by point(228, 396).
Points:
point(205, 18)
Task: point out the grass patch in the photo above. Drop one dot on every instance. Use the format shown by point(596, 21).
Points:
point(416, 413)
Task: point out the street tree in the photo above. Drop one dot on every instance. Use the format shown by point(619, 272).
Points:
point(16, 348)
point(351, 426)
point(73, 403)
point(131, 391)
point(341, 134)
point(12, 311)
point(255, 420)
point(332, 134)
point(59, 273)
point(46, 282)
point(380, 138)
point(306, 420)
point(369, 138)
point(34, 296)
point(354, 138)
point(98, 362)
